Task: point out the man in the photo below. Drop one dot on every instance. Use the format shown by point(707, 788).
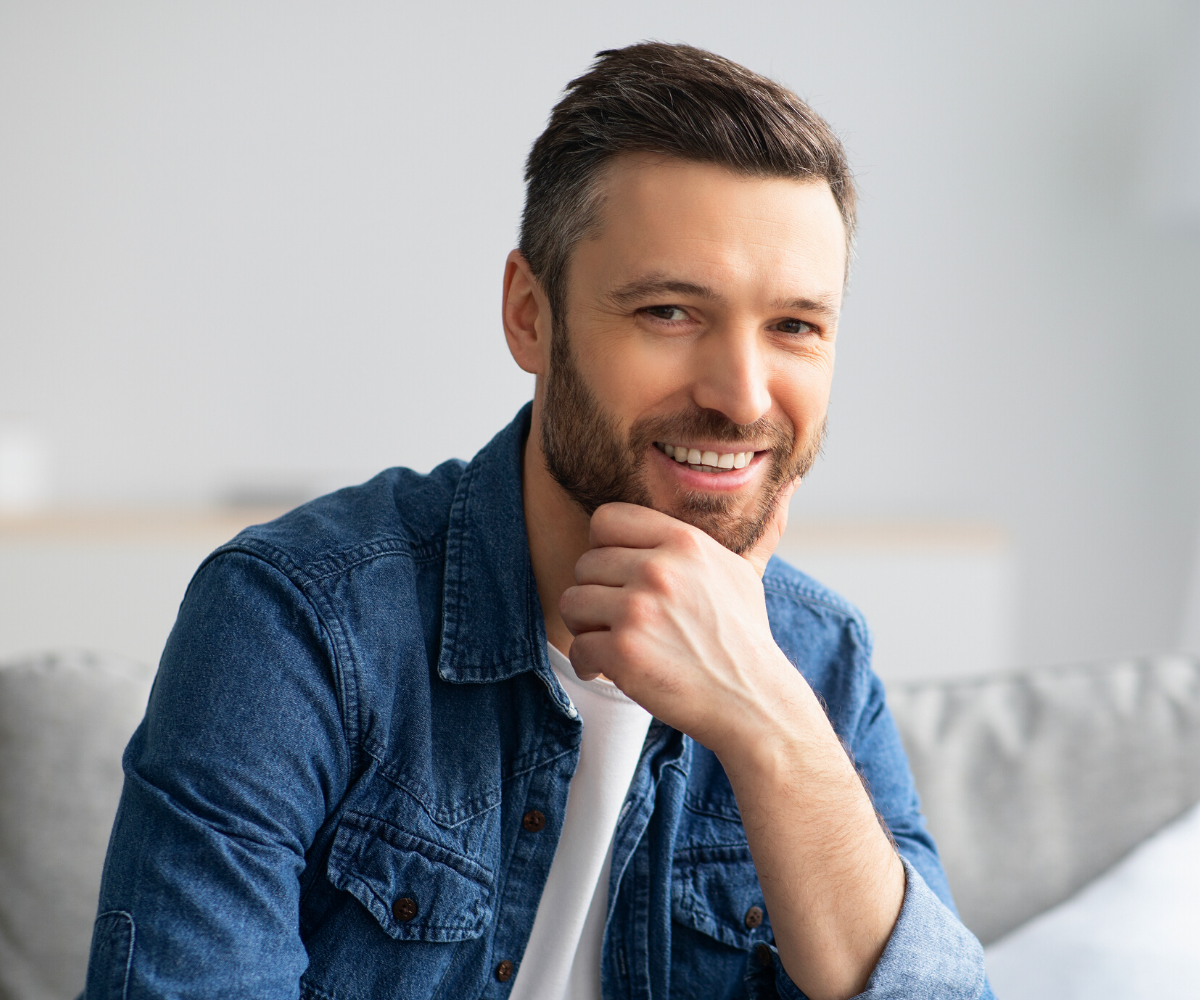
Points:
point(553, 723)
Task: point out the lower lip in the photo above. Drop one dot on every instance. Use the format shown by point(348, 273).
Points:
point(711, 481)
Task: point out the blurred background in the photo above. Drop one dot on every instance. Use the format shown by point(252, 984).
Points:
point(252, 252)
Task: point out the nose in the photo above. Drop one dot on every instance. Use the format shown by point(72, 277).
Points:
point(732, 375)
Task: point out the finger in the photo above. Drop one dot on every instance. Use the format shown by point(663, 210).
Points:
point(613, 566)
point(630, 526)
point(591, 607)
point(591, 653)
point(761, 553)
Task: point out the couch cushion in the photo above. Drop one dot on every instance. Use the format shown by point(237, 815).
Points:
point(1132, 934)
point(64, 721)
point(1036, 782)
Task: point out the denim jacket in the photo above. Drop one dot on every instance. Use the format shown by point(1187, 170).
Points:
point(354, 718)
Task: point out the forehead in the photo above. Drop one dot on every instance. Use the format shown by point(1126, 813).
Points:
point(702, 222)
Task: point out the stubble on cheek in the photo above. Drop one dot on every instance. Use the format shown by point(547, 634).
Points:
point(583, 448)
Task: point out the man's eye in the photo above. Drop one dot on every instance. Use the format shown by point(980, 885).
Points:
point(672, 314)
point(794, 326)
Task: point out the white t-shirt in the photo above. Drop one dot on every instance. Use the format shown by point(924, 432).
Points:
point(562, 959)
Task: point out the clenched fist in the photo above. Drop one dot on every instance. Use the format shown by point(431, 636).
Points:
point(679, 623)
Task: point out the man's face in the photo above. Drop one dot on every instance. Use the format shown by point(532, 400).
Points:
point(691, 372)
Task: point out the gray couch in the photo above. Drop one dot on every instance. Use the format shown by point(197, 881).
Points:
point(1033, 783)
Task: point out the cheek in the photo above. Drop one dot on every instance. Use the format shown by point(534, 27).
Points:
point(631, 376)
point(802, 391)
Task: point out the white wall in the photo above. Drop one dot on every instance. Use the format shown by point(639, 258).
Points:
point(258, 246)
point(938, 597)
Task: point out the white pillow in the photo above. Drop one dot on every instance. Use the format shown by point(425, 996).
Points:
point(1132, 933)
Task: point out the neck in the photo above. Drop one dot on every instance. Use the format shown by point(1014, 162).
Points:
point(558, 533)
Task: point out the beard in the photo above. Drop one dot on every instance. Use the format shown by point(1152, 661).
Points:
point(590, 459)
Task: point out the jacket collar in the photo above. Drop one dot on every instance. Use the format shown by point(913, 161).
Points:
point(492, 624)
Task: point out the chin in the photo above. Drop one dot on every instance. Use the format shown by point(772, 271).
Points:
point(737, 530)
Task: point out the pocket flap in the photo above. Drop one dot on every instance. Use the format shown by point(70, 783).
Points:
point(715, 890)
point(395, 874)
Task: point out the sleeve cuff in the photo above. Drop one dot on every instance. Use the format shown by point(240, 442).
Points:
point(929, 954)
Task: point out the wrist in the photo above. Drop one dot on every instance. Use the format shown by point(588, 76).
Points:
point(782, 728)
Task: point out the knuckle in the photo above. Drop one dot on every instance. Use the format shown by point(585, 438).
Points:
point(625, 645)
point(642, 609)
point(658, 575)
point(687, 540)
point(567, 602)
point(585, 566)
point(603, 517)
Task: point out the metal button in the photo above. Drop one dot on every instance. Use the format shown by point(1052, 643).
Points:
point(763, 954)
point(504, 971)
point(534, 821)
point(404, 908)
point(754, 917)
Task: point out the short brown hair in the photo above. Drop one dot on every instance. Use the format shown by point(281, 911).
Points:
point(678, 101)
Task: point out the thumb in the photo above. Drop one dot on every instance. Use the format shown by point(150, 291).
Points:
point(760, 553)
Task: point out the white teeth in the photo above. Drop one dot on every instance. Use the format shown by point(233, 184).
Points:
point(708, 460)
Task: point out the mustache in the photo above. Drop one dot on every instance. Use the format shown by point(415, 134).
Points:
point(712, 425)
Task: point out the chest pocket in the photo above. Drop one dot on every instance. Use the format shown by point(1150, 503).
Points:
point(714, 885)
point(715, 890)
point(416, 889)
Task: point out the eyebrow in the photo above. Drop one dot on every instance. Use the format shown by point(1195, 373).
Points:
point(643, 288)
point(647, 287)
point(825, 305)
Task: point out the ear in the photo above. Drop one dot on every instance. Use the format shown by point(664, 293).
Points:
point(526, 315)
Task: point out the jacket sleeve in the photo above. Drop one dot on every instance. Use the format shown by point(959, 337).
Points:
point(930, 954)
point(241, 756)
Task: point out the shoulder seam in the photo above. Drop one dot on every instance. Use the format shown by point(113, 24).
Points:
point(284, 565)
point(336, 562)
point(827, 600)
point(811, 596)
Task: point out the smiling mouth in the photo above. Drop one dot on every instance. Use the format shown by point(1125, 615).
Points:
point(705, 461)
